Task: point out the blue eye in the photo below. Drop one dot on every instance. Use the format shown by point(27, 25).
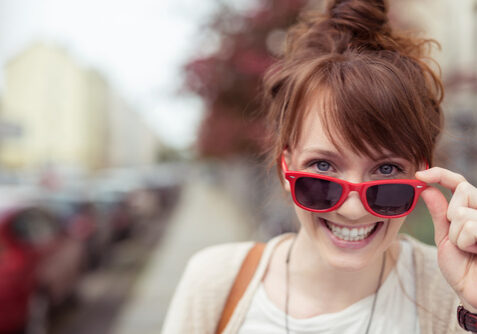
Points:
point(386, 169)
point(323, 166)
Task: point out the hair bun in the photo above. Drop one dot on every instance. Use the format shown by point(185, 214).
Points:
point(365, 20)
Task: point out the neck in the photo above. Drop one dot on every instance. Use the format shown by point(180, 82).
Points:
point(328, 286)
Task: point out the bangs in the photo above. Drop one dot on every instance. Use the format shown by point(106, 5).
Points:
point(371, 107)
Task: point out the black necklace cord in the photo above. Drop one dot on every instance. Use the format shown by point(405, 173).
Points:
point(287, 292)
point(380, 281)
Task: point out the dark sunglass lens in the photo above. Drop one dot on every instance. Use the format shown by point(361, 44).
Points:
point(317, 194)
point(390, 199)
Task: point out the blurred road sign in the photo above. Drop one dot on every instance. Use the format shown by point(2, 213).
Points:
point(8, 130)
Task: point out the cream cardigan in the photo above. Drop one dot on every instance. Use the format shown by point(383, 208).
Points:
point(208, 277)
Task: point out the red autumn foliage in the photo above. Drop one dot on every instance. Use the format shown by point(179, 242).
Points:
point(229, 79)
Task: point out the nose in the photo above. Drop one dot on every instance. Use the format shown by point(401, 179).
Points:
point(352, 208)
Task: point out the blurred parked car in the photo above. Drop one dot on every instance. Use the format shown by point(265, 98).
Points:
point(40, 265)
point(82, 220)
point(115, 208)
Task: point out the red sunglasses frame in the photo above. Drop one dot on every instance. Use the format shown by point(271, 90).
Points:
point(361, 188)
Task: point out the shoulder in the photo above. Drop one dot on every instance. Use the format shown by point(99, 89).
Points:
point(218, 264)
point(221, 263)
point(210, 273)
point(203, 288)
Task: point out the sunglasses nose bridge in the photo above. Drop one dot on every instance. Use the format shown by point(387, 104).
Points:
point(352, 207)
point(358, 187)
point(350, 187)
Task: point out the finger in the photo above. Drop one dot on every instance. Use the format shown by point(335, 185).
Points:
point(442, 176)
point(437, 205)
point(461, 209)
point(454, 230)
point(462, 215)
point(460, 199)
point(468, 235)
point(467, 194)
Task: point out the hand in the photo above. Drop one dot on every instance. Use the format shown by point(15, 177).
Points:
point(455, 228)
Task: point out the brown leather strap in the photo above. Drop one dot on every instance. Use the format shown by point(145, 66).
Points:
point(243, 278)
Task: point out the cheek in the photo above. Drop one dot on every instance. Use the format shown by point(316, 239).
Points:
point(393, 227)
point(305, 218)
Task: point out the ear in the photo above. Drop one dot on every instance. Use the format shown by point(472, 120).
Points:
point(287, 156)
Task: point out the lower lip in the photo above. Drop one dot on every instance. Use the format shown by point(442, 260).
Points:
point(350, 244)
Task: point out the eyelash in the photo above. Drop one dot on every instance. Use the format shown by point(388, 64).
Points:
point(314, 163)
point(399, 168)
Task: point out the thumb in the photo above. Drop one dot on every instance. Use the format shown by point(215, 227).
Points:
point(437, 205)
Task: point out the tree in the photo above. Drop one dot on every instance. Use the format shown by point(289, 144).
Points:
point(229, 79)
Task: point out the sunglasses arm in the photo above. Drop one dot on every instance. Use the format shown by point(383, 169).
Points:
point(284, 164)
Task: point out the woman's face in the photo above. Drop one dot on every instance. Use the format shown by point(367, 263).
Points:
point(328, 232)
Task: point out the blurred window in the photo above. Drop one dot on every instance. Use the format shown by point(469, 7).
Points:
point(35, 227)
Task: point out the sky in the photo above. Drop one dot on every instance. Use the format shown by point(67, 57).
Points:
point(138, 45)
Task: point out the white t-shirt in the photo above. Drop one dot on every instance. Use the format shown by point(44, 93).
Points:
point(394, 312)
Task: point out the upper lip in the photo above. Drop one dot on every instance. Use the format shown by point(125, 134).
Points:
point(351, 226)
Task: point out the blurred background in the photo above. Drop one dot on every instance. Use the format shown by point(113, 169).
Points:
point(131, 137)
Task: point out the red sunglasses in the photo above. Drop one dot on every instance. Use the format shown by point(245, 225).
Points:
point(383, 198)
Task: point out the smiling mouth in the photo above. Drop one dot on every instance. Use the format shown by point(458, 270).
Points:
point(351, 234)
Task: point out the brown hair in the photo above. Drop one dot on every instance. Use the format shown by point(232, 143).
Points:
point(380, 92)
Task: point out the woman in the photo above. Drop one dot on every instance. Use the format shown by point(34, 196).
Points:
point(354, 114)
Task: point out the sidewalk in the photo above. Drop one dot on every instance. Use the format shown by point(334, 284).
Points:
point(204, 216)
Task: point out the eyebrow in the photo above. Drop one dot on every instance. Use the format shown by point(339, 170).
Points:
point(328, 153)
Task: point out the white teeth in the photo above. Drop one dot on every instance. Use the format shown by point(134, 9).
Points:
point(345, 231)
point(353, 234)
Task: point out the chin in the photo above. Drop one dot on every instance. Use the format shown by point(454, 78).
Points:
point(349, 262)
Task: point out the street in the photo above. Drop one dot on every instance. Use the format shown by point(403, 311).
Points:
point(131, 293)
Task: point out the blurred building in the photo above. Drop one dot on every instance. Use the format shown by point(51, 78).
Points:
point(131, 141)
point(59, 107)
point(63, 115)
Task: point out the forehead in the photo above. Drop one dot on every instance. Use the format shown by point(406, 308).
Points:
point(312, 133)
point(313, 136)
